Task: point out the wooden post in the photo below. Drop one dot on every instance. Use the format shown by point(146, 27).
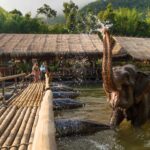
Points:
point(47, 86)
point(15, 84)
point(3, 90)
point(23, 82)
point(3, 79)
point(44, 137)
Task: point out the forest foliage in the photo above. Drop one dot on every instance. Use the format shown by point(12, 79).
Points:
point(99, 5)
point(126, 18)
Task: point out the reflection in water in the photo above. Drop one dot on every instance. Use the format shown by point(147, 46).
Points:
point(96, 108)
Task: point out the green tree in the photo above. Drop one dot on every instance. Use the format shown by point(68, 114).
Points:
point(57, 29)
point(47, 11)
point(99, 5)
point(87, 22)
point(12, 24)
point(107, 15)
point(16, 12)
point(126, 21)
point(28, 15)
point(3, 16)
point(71, 14)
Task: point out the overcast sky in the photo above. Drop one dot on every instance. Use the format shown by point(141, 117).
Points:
point(32, 5)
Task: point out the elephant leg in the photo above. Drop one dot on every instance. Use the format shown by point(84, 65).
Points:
point(141, 113)
point(131, 113)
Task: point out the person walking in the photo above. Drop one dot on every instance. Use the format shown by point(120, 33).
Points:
point(36, 72)
point(43, 69)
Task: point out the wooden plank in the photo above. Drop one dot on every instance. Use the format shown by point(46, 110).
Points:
point(45, 130)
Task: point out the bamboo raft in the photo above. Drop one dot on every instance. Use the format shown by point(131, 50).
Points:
point(30, 97)
point(19, 119)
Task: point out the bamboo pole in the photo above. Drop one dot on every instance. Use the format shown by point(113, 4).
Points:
point(20, 133)
point(5, 114)
point(26, 137)
point(15, 129)
point(10, 127)
point(33, 131)
point(19, 97)
point(19, 102)
point(7, 120)
point(30, 97)
point(47, 86)
point(45, 130)
point(2, 110)
point(23, 96)
point(12, 77)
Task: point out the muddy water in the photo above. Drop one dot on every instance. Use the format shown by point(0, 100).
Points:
point(96, 108)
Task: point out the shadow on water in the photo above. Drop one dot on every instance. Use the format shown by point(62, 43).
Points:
point(97, 109)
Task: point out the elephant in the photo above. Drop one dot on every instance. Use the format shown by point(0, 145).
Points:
point(127, 89)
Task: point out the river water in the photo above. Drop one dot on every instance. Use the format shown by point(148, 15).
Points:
point(97, 109)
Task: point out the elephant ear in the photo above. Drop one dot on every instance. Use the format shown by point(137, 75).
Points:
point(131, 74)
point(142, 86)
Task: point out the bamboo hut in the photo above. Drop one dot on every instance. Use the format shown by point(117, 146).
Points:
point(52, 48)
point(38, 45)
point(58, 50)
point(136, 48)
point(68, 45)
point(132, 50)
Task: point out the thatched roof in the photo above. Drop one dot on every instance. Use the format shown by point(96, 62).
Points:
point(66, 44)
point(138, 48)
point(43, 44)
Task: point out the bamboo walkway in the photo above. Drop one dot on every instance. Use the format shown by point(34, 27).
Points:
point(19, 117)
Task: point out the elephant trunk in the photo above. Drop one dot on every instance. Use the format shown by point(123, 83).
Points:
point(117, 117)
point(107, 73)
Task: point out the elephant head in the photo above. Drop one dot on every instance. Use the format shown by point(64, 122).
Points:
point(122, 87)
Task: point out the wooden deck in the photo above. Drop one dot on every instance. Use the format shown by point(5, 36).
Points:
point(19, 118)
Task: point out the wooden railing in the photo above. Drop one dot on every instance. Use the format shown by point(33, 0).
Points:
point(44, 138)
point(7, 70)
point(13, 77)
